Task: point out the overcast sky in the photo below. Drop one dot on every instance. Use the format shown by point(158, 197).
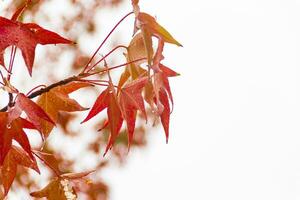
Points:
point(235, 131)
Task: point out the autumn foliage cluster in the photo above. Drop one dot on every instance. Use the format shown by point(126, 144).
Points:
point(142, 86)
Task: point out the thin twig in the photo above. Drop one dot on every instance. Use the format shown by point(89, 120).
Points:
point(114, 49)
point(106, 38)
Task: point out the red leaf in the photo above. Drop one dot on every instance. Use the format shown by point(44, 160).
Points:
point(100, 104)
point(108, 100)
point(167, 71)
point(16, 156)
point(13, 131)
point(165, 115)
point(33, 111)
point(130, 101)
point(162, 94)
point(26, 37)
point(115, 120)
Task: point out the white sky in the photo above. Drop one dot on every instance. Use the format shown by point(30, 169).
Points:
point(235, 130)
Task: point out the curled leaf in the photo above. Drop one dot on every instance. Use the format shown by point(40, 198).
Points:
point(149, 23)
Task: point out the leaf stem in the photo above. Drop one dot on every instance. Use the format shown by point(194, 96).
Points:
point(68, 80)
point(2, 77)
point(117, 66)
point(28, 93)
point(105, 39)
point(47, 164)
point(11, 62)
point(11, 99)
point(114, 49)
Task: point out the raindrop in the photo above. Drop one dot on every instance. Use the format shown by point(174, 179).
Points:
point(8, 126)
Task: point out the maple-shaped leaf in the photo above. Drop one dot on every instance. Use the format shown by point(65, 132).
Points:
point(161, 80)
point(115, 120)
point(147, 36)
point(56, 100)
point(107, 99)
point(159, 93)
point(100, 104)
point(49, 160)
point(16, 156)
point(13, 131)
point(165, 113)
point(33, 111)
point(149, 23)
point(149, 27)
point(124, 77)
point(61, 188)
point(131, 100)
point(57, 189)
point(136, 50)
point(26, 36)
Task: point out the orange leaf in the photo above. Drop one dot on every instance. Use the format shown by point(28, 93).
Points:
point(57, 100)
point(57, 189)
point(137, 48)
point(16, 156)
point(50, 160)
point(148, 22)
point(77, 175)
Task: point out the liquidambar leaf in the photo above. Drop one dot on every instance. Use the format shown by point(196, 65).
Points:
point(138, 50)
point(50, 160)
point(56, 100)
point(26, 37)
point(131, 100)
point(148, 22)
point(16, 156)
point(165, 114)
point(57, 189)
point(13, 131)
point(33, 111)
point(61, 188)
point(107, 99)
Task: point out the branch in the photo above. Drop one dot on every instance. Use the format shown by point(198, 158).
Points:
point(68, 80)
point(47, 89)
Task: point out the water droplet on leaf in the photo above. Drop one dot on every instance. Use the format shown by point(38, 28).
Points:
point(8, 126)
